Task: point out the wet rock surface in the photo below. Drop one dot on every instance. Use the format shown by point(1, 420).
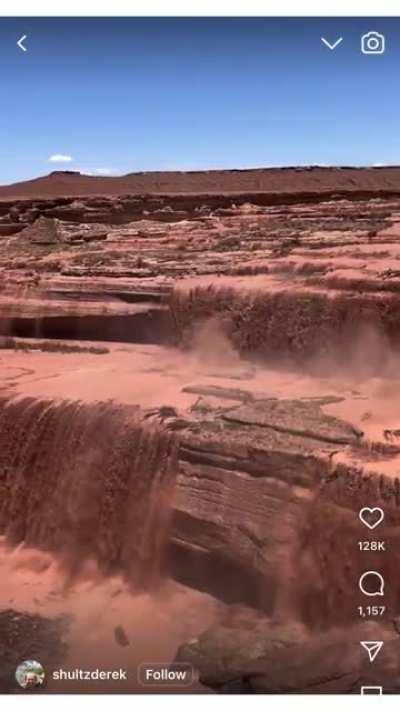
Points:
point(244, 654)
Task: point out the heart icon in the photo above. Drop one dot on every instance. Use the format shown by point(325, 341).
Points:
point(371, 517)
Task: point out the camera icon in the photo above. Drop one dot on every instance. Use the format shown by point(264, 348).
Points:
point(373, 43)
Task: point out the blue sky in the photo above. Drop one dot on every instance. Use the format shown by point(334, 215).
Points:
point(135, 94)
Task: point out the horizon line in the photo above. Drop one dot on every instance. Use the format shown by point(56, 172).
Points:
point(299, 167)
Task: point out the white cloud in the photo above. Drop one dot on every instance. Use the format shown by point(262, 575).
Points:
point(60, 158)
point(100, 171)
point(105, 171)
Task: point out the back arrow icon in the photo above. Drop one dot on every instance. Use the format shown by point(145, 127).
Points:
point(20, 43)
point(332, 45)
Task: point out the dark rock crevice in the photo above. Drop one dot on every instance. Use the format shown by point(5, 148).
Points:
point(152, 325)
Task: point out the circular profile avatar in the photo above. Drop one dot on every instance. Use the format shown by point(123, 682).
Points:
point(30, 674)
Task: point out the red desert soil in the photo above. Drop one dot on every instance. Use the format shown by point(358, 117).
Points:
point(312, 179)
point(203, 388)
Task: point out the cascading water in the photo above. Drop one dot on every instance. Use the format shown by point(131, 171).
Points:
point(87, 481)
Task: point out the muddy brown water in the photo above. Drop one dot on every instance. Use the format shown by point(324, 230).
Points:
point(87, 480)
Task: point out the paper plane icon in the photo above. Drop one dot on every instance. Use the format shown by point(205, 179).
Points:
point(373, 649)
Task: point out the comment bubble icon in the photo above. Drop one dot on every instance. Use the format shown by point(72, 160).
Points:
point(371, 583)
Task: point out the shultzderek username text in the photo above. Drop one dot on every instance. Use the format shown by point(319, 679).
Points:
point(176, 674)
point(89, 675)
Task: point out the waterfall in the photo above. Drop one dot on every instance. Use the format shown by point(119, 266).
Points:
point(87, 481)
